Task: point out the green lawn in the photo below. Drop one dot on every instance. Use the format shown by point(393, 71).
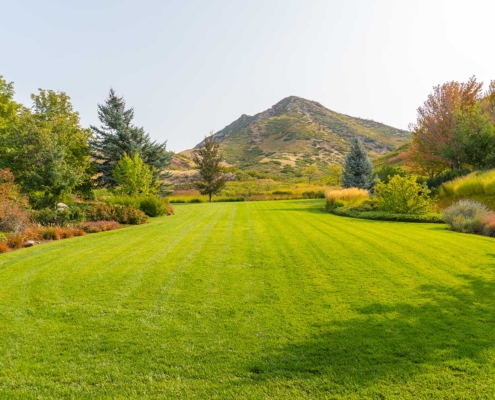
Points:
point(251, 300)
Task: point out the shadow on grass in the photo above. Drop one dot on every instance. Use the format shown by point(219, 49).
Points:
point(450, 329)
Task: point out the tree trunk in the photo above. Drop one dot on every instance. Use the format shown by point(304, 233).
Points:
point(210, 196)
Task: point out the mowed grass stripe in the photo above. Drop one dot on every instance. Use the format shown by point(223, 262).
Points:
point(251, 300)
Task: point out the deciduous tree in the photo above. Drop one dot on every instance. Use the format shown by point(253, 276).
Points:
point(207, 160)
point(48, 149)
point(311, 172)
point(434, 129)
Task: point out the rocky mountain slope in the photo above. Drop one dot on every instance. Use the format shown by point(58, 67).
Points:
point(299, 132)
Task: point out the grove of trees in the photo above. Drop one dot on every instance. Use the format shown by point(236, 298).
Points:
point(51, 155)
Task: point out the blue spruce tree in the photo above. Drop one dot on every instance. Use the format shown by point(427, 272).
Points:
point(358, 169)
point(118, 136)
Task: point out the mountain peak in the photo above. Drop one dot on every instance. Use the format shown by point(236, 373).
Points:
point(298, 132)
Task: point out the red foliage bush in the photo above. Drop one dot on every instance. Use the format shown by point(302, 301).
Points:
point(32, 233)
point(4, 248)
point(170, 210)
point(121, 214)
point(78, 232)
point(489, 225)
point(51, 233)
point(99, 226)
point(14, 216)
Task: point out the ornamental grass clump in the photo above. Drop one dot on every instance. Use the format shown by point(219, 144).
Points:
point(403, 195)
point(351, 196)
point(466, 216)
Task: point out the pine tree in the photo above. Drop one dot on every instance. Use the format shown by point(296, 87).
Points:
point(207, 161)
point(358, 169)
point(118, 136)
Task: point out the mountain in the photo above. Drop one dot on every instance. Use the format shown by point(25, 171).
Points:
point(300, 132)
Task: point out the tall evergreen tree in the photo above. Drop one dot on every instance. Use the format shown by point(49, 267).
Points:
point(358, 169)
point(118, 136)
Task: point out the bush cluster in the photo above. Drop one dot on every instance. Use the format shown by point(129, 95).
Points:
point(471, 217)
point(438, 180)
point(386, 216)
point(122, 214)
point(403, 195)
point(36, 233)
point(152, 206)
point(58, 217)
point(98, 226)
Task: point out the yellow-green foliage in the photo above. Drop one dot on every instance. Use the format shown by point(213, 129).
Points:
point(476, 183)
point(349, 196)
point(403, 195)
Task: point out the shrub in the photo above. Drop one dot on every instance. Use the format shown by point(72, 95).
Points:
point(282, 192)
point(153, 206)
point(16, 241)
point(32, 233)
point(466, 216)
point(51, 233)
point(4, 248)
point(78, 232)
point(195, 201)
point(61, 217)
point(403, 195)
point(367, 205)
point(124, 200)
point(98, 226)
point(387, 216)
point(489, 224)
point(66, 233)
point(449, 175)
point(350, 196)
point(170, 210)
point(119, 213)
point(14, 216)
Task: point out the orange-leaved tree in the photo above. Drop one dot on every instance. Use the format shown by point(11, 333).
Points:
point(435, 146)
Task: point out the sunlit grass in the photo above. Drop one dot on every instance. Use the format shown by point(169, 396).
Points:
point(251, 300)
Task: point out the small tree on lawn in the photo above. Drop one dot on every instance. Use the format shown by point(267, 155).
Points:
point(358, 169)
point(207, 161)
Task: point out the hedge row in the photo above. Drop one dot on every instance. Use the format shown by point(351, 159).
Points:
point(385, 216)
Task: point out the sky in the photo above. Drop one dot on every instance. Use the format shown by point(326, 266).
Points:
point(189, 67)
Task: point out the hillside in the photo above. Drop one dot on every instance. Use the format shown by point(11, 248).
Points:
point(299, 132)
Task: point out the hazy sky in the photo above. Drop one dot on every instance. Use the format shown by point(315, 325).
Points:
point(190, 67)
